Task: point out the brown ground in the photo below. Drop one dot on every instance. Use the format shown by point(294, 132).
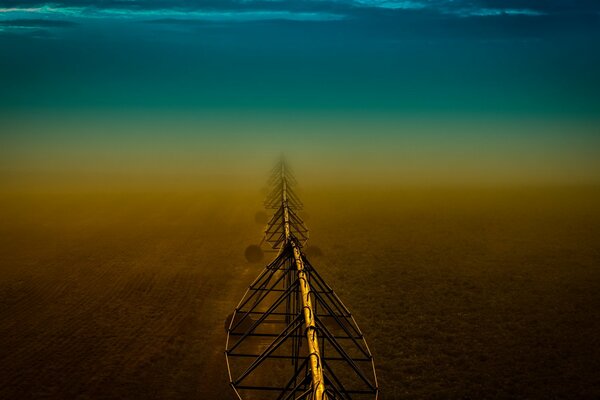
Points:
point(464, 293)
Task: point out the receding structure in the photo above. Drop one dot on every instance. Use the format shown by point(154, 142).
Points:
point(290, 336)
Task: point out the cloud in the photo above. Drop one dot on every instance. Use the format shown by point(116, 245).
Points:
point(222, 10)
point(309, 8)
point(495, 12)
point(390, 18)
point(475, 7)
point(392, 4)
point(37, 23)
point(545, 6)
point(33, 27)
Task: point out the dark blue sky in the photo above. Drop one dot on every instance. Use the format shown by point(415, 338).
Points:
point(492, 56)
point(389, 91)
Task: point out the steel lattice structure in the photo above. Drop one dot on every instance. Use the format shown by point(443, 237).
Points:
point(290, 336)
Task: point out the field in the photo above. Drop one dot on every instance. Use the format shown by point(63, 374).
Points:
point(461, 292)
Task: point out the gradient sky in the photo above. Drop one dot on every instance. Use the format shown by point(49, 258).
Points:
point(481, 89)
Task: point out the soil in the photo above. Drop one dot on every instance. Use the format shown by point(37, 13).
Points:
point(461, 293)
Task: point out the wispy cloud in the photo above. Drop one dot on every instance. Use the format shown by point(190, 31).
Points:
point(290, 9)
point(37, 23)
point(495, 12)
point(19, 9)
point(392, 4)
point(420, 18)
point(209, 14)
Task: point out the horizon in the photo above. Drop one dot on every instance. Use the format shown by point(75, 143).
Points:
point(434, 92)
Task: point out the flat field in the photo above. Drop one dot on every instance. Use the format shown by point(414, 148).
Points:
point(461, 292)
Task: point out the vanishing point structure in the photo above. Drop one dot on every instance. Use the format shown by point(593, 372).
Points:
point(290, 336)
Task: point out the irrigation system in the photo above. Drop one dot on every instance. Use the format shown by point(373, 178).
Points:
point(290, 336)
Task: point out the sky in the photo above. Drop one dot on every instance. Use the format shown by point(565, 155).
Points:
point(410, 91)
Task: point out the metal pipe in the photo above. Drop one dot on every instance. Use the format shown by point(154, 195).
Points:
point(316, 366)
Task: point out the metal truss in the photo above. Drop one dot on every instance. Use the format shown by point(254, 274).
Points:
point(290, 336)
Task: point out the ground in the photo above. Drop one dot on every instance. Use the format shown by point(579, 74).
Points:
point(461, 292)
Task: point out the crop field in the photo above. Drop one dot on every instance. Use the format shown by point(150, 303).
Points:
point(461, 292)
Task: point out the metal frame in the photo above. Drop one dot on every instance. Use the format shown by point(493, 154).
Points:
point(290, 336)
